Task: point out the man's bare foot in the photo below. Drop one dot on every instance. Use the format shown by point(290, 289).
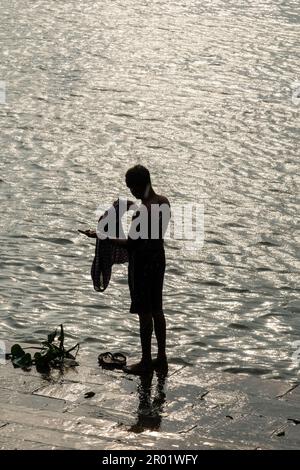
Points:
point(160, 363)
point(140, 368)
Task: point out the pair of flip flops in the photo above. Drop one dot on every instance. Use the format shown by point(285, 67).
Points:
point(110, 360)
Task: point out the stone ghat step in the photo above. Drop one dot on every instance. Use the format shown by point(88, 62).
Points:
point(191, 408)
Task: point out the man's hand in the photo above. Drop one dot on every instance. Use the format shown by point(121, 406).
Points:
point(89, 233)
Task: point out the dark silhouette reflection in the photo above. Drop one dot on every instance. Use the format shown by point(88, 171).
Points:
point(150, 410)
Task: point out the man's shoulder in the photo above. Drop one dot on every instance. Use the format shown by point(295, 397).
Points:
point(163, 199)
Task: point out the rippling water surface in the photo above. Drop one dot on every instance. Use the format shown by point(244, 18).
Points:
point(201, 92)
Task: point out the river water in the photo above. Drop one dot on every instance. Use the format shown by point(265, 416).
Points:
point(205, 95)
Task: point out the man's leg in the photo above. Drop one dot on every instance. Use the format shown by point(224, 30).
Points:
point(160, 333)
point(146, 329)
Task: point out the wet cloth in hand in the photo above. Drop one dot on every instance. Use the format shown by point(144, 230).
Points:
point(106, 255)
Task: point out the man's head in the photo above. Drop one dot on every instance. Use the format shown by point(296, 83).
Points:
point(137, 180)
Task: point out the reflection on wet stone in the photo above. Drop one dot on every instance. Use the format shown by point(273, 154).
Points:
point(150, 409)
point(191, 408)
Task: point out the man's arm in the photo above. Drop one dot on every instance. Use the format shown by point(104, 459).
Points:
point(117, 241)
point(89, 233)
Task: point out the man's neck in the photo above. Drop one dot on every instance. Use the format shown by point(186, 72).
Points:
point(150, 195)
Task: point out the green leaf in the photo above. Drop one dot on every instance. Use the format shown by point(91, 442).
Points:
point(22, 361)
point(51, 354)
point(51, 336)
point(27, 360)
point(61, 337)
point(42, 366)
point(17, 351)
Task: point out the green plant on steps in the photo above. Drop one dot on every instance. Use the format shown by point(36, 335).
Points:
point(51, 354)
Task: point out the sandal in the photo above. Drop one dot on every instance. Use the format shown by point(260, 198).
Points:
point(120, 359)
point(111, 361)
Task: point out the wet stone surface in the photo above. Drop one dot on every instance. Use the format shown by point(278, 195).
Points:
point(191, 408)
